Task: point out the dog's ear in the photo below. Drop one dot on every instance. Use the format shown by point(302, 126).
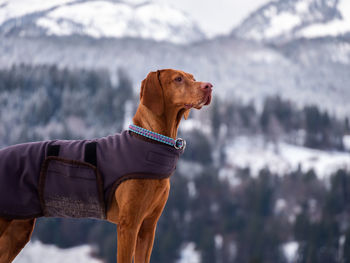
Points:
point(186, 113)
point(151, 94)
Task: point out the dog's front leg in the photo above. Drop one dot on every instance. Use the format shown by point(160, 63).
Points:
point(130, 203)
point(145, 238)
point(127, 234)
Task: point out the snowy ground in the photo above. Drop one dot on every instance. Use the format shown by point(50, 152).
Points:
point(36, 252)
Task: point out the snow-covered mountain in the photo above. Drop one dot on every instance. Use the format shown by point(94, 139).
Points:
point(97, 19)
point(66, 33)
point(283, 20)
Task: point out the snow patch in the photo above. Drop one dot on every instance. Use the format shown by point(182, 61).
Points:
point(290, 250)
point(346, 142)
point(300, 18)
point(302, 7)
point(262, 56)
point(228, 174)
point(188, 254)
point(281, 157)
point(192, 190)
point(332, 28)
point(280, 205)
point(270, 12)
point(189, 169)
point(195, 124)
point(342, 54)
point(17, 8)
point(38, 252)
point(219, 241)
point(111, 23)
point(282, 23)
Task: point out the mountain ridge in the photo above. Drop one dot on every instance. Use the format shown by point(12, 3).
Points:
point(285, 20)
point(239, 68)
point(116, 19)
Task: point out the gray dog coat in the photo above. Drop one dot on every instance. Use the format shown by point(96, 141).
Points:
point(76, 178)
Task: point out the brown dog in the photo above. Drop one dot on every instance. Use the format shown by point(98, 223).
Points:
point(166, 96)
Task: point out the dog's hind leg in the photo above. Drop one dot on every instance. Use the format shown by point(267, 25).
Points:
point(4, 223)
point(15, 237)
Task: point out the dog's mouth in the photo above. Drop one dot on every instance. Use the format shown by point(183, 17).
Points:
point(188, 106)
point(203, 102)
point(208, 99)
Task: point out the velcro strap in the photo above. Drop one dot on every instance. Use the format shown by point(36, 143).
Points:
point(53, 150)
point(90, 153)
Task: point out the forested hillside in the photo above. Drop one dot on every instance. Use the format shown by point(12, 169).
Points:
point(227, 211)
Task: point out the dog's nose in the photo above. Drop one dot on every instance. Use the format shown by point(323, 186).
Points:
point(206, 85)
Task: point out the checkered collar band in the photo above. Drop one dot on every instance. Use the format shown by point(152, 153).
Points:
point(179, 144)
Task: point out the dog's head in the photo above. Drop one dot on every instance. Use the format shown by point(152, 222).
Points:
point(174, 89)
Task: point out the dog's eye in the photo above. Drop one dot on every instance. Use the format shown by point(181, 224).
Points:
point(178, 79)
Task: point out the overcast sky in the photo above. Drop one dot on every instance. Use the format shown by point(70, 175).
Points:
point(217, 16)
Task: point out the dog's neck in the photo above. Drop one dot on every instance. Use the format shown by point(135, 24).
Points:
point(166, 124)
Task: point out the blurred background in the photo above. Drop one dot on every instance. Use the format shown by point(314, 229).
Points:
point(266, 174)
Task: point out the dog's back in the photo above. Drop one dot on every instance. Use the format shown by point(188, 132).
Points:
point(19, 174)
